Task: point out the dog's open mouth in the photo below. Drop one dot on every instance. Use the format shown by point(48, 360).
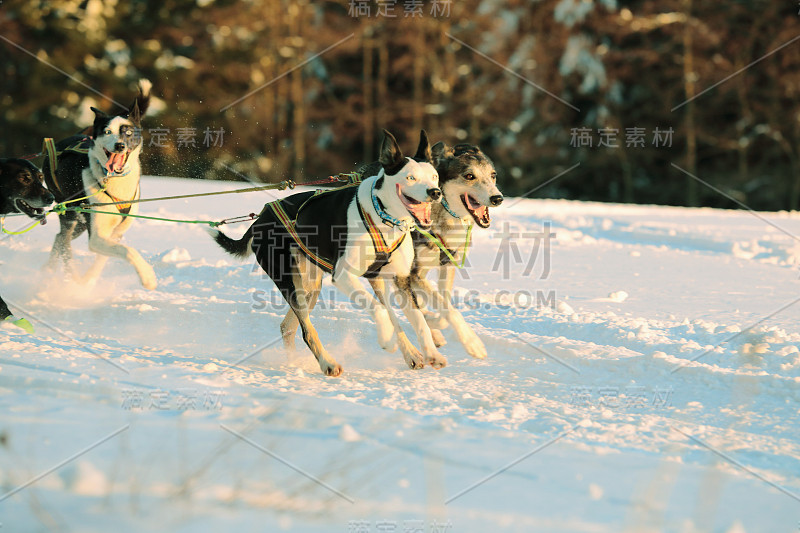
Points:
point(116, 161)
point(421, 211)
point(478, 211)
point(28, 209)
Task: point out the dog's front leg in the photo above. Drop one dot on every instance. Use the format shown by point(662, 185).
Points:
point(411, 308)
point(387, 336)
point(105, 229)
point(411, 355)
point(62, 246)
point(349, 285)
point(432, 301)
point(468, 338)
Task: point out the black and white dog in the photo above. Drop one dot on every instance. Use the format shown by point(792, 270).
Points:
point(107, 172)
point(350, 232)
point(21, 191)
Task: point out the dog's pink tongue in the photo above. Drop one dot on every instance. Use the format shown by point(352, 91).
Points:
point(115, 163)
point(479, 209)
point(422, 212)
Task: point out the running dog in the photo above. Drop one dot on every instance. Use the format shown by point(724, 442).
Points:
point(21, 191)
point(104, 169)
point(467, 178)
point(345, 232)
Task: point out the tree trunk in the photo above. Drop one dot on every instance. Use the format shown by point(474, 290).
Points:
point(369, 105)
point(419, 65)
point(689, 92)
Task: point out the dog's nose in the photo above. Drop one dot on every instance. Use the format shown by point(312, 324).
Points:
point(48, 197)
point(496, 200)
point(119, 147)
point(435, 194)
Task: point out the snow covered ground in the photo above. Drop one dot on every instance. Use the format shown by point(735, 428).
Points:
point(659, 392)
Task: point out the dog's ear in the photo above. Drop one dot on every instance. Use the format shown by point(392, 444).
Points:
point(441, 151)
point(391, 156)
point(134, 114)
point(98, 113)
point(424, 149)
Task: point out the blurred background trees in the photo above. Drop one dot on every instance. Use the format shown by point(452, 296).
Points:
point(619, 74)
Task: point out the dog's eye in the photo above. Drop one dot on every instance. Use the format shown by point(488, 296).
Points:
point(128, 132)
point(107, 131)
point(494, 176)
point(411, 178)
point(26, 179)
point(469, 176)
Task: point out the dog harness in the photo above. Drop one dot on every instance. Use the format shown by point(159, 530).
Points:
point(51, 153)
point(123, 208)
point(383, 250)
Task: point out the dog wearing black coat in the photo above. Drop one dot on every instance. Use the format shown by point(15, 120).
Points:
point(346, 233)
point(21, 191)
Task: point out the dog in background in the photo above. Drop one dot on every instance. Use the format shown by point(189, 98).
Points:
point(21, 191)
point(107, 171)
point(346, 232)
point(468, 181)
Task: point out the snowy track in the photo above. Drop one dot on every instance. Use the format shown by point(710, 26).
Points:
point(613, 423)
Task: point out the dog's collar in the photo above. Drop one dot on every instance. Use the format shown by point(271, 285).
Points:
point(464, 220)
point(384, 216)
point(447, 208)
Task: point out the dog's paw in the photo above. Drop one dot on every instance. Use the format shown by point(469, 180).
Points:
point(148, 277)
point(332, 370)
point(390, 346)
point(413, 359)
point(438, 338)
point(288, 344)
point(474, 346)
point(436, 360)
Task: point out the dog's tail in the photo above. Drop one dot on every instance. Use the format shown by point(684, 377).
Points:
point(240, 248)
